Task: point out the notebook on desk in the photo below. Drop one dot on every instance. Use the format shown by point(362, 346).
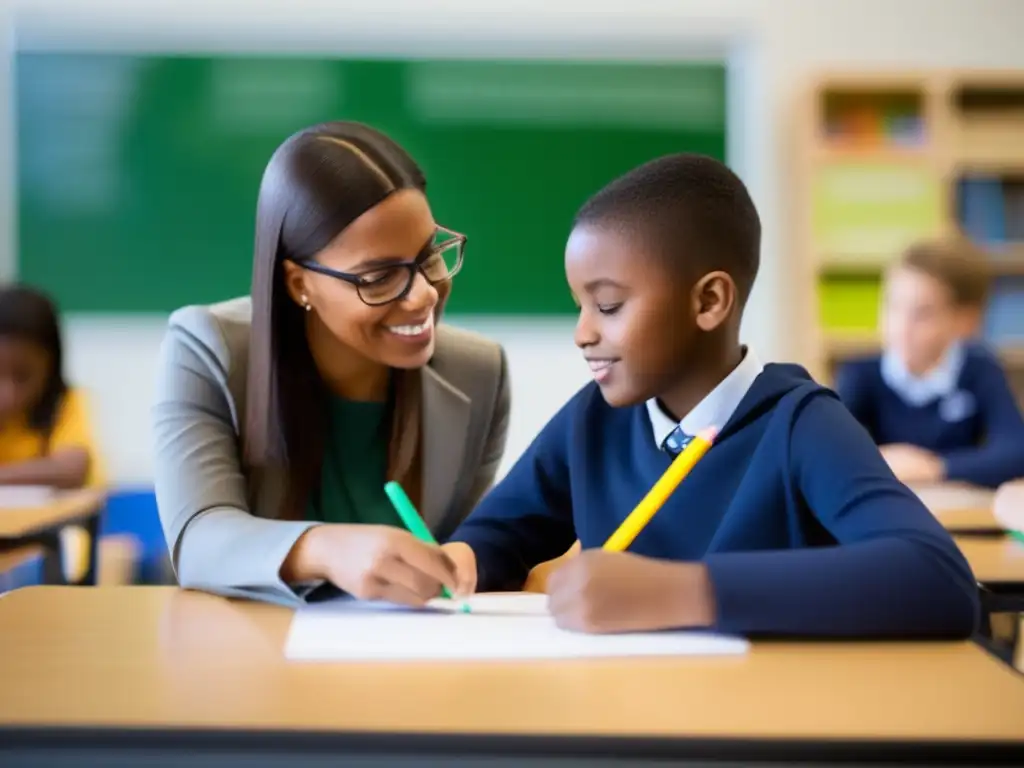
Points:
point(26, 496)
point(497, 627)
point(949, 497)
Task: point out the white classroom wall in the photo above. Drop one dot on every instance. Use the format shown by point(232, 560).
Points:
point(774, 46)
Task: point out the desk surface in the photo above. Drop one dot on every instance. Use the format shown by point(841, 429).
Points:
point(995, 560)
point(24, 521)
point(960, 507)
point(156, 657)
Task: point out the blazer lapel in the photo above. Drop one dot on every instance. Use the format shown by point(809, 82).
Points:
point(446, 417)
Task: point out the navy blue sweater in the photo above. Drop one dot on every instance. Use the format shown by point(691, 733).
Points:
point(982, 444)
point(803, 528)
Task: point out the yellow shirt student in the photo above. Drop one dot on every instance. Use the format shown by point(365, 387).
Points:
point(72, 428)
point(44, 423)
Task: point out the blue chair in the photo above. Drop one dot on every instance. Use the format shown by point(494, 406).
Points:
point(134, 512)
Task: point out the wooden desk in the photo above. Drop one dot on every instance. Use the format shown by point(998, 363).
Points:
point(181, 672)
point(41, 526)
point(960, 508)
point(995, 561)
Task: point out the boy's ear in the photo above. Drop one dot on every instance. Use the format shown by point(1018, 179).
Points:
point(714, 297)
point(969, 322)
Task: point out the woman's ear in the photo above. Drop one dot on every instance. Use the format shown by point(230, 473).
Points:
point(714, 297)
point(295, 282)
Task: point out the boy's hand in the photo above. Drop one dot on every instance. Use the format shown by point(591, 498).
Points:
point(912, 464)
point(464, 559)
point(600, 591)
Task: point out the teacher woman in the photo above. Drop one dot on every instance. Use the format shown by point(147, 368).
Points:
point(280, 416)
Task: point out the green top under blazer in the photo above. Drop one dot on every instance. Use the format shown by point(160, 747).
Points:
point(355, 467)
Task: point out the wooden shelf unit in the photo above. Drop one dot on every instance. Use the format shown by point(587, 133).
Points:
point(889, 158)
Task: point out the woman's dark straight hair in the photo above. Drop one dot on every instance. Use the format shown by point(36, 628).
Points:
point(319, 181)
point(28, 314)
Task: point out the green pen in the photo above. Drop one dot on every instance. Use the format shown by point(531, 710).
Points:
point(411, 519)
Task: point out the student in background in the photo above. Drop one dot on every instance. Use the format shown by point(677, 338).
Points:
point(938, 403)
point(45, 432)
point(792, 524)
point(46, 437)
point(279, 417)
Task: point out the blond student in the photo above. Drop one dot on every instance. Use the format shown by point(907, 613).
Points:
point(937, 401)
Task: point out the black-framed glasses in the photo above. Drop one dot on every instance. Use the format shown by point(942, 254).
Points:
point(439, 261)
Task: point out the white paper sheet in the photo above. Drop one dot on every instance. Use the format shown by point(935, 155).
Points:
point(26, 496)
point(498, 627)
point(944, 498)
point(1011, 518)
point(496, 604)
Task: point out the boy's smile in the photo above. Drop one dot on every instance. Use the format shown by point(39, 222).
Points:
point(601, 367)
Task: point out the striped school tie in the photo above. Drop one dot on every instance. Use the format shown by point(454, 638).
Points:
point(676, 442)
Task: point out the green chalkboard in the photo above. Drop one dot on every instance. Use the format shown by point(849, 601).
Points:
point(138, 175)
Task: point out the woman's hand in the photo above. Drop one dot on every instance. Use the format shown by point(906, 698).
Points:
point(371, 562)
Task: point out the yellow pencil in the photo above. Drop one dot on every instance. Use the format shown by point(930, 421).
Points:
point(658, 495)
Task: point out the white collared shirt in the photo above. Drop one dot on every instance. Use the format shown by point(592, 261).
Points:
point(938, 384)
point(715, 409)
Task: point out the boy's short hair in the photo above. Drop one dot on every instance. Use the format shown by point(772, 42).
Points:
point(692, 209)
point(957, 264)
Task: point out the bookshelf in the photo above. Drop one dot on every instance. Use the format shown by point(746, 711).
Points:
point(886, 159)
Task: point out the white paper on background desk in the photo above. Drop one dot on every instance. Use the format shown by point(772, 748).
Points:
point(500, 627)
point(25, 496)
point(943, 498)
point(1011, 519)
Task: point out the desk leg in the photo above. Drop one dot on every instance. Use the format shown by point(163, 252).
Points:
point(92, 527)
point(53, 561)
point(53, 551)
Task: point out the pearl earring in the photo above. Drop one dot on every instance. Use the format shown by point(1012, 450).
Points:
point(305, 302)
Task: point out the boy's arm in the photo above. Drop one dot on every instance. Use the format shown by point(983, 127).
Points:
point(894, 572)
point(526, 519)
point(1000, 458)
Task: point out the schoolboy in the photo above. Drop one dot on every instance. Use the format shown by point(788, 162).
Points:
point(792, 524)
point(937, 403)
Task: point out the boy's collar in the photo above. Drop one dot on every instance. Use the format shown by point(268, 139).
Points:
point(715, 409)
point(941, 381)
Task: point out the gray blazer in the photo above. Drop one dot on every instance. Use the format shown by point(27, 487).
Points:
point(219, 521)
